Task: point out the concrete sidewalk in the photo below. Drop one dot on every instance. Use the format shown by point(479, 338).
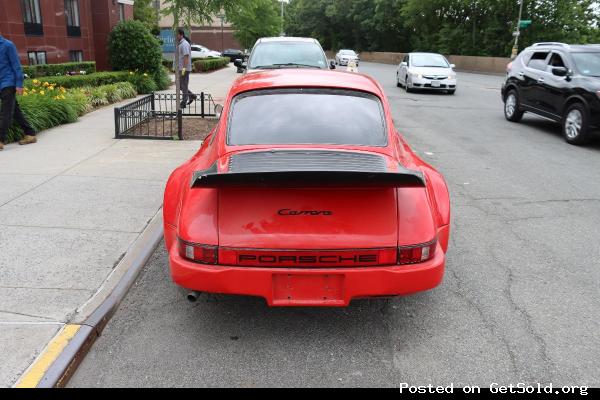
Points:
point(70, 207)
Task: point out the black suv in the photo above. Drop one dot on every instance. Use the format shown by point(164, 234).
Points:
point(557, 81)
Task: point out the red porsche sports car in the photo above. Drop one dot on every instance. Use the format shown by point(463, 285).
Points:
point(306, 195)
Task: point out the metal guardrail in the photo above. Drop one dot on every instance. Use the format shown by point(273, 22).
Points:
point(155, 116)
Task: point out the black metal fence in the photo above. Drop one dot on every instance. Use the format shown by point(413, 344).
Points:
point(155, 116)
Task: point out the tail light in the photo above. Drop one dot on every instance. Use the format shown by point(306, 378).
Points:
point(200, 253)
point(416, 254)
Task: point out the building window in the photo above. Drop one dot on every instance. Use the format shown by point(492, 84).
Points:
point(72, 15)
point(76, 56)
point(32, 17)
point(121, 12)
point(36, 57)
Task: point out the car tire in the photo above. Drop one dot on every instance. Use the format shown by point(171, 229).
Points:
point(398, 81)
point(452, 91)
point(512, 107)
point(407, 86)
point(575, 125)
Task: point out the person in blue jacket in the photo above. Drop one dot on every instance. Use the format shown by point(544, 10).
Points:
point(11, 83)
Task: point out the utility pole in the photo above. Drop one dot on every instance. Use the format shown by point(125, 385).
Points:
point(222, 18)
point(282, 16)
point(517, 33)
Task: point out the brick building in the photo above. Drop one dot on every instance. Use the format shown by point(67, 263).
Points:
point(58, 31)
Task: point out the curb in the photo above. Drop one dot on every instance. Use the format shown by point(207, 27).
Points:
point(69, 358)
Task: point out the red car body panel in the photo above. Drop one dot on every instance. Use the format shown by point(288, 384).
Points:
point(310, 245)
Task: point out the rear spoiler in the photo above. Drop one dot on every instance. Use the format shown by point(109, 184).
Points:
point(211, 178)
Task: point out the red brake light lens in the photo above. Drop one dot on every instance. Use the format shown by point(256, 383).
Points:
point(416, 254)
point(200, 253)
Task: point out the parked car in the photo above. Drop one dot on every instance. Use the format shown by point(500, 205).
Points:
point(233, 54)
point(427, 71)
point(343, 57)
point(285, 203)
point(285, 52)
point(199, 51)
point(556, 81)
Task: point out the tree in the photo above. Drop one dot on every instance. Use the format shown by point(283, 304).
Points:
point(198, 11)
point(255, 19)
point(148, 15)
point(462, 27)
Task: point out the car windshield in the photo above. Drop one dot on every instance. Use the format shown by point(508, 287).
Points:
point(287, 54)
point(306, 116)
point(588, 63)
point(429, 60)
point(347, 52)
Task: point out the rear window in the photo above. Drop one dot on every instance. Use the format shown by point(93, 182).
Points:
point(270, 54)
point(307, 116)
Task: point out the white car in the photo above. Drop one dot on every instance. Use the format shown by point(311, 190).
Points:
point(427, 71)
point(343, 57)
point(199, 51)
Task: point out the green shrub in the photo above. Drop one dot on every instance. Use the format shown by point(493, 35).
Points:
point(47, 107)
point(36, 71)
point(162, 79)
point(210, 64)
point(168, 64)
point(143, 83)
point(132, 47)
point(44, 112)
point(77, 81)
point(126, 90)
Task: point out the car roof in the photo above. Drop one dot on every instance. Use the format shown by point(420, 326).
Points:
point(313, 78)
point(286, 39)
point(423, 52)
point(547, 46)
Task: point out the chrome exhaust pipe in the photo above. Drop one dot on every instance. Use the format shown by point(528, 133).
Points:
point(193, 296)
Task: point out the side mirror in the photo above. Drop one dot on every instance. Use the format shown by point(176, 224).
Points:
point(560, 71)
point(452, 66)
point(218, 110)
point(331, 64)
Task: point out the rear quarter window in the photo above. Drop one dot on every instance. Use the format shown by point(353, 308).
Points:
point(306, 116)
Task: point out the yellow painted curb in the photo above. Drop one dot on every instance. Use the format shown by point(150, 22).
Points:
point(34, 375)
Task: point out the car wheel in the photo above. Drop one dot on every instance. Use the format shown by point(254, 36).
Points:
point(407, 86)
point(452, 91)
point(398, 80)
point(512, 111)
point(575, 124)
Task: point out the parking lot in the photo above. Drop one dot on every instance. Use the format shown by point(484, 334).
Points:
point(519, 302)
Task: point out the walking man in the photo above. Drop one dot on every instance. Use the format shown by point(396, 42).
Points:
point(185, 68)
point(11, 83)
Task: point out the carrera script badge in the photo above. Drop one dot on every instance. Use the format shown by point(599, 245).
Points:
point(286, 212)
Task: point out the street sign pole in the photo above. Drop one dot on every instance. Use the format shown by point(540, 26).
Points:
point(517, 33)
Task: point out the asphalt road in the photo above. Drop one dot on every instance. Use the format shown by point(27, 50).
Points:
point(520, 301)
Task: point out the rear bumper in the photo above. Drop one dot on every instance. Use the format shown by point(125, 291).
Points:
point(334, 287)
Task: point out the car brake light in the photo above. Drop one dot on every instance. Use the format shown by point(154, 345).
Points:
point(416, 254)
point(200, 253)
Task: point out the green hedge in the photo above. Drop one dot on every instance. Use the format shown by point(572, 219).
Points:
point(210, 64)
point(97, 79)
point(36, 71)
point(143, 83)
point(60, 106)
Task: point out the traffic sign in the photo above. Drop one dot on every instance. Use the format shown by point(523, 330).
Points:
point(524, 23)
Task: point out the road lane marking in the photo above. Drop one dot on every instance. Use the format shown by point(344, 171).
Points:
point(34, 374)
